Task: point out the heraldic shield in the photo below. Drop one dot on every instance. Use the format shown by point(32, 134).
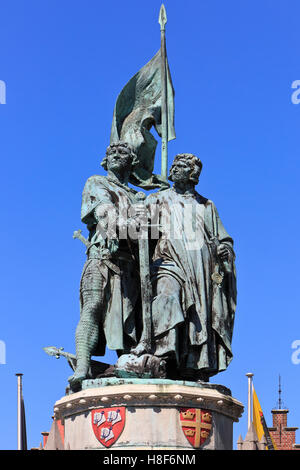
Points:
point(196, 425)
point(108, 424)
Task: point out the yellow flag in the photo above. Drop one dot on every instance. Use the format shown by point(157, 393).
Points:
point(257, 411)
point(258, 420)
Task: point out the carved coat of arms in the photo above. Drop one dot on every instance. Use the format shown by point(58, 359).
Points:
point(196, 425)
point(108, 424)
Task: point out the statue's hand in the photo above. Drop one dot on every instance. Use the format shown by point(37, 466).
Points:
point(137, 220)
point(139, 214)
point(224, 253)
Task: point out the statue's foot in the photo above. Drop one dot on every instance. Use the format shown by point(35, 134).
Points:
point(76, 379)
point(141, 348)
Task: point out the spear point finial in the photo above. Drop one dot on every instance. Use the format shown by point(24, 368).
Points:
point(162, 17)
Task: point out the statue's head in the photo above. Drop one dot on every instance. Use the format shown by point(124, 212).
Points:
point(186, 167)
point(119, 155)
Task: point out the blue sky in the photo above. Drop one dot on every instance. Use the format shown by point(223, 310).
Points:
point(232, 64)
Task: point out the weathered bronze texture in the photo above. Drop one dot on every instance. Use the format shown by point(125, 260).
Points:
point(109, 288)
point(159, 284)
point(193, 275)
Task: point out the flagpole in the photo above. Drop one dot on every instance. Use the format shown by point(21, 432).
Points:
point(19, 411)
point(250, 393)
point(164, 99)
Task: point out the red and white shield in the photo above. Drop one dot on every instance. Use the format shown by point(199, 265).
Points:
point(196, 425)
point(108, 424)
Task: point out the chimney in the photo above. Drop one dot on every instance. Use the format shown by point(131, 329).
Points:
point(279, 418)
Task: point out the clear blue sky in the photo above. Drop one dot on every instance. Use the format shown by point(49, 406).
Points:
point(64, 63)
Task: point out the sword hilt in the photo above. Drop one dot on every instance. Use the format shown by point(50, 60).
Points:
point(77, 234)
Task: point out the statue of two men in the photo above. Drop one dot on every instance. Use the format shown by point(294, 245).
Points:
point(191, 265)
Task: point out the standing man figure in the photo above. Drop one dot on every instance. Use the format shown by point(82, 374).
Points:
point(193, 277)
point(109, 287)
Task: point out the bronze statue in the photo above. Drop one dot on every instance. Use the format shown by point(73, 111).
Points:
point(193, 278)
point(109, 287)
point(164, 302)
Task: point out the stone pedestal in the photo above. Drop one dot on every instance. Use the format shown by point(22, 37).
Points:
point(125, 414)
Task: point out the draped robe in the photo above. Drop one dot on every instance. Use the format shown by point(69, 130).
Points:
point(194, 323)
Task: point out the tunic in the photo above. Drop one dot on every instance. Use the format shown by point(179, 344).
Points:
point(113, 256)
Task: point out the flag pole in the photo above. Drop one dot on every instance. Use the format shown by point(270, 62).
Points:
point(19, 411)
point(250, 393)
point(164, 99)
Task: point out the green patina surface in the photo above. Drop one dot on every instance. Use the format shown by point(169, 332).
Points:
point(167, 304)
point(110, 381)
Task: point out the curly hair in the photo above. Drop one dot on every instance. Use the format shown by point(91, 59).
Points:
point(134, 158)
point(193, 161)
